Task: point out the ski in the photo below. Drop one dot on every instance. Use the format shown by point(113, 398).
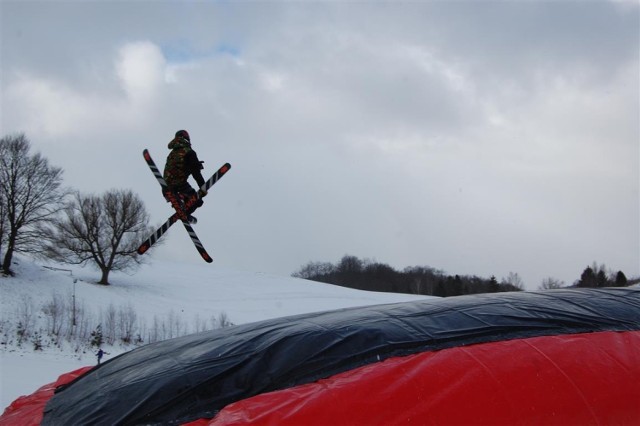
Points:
point(180, 213)
point(157, 234)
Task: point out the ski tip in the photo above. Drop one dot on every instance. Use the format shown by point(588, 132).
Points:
point(206, 257)
point(143, 248)
point(146, 154)
point(224, 169)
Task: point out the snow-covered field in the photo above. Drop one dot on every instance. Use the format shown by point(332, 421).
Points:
point(172, 299)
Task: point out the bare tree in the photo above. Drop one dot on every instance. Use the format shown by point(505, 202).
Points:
point(30, 193)
point(350, 264)
point(314, 269)
point(3, 220)
point(550, 283)
point(104, 230)
point(514, 280)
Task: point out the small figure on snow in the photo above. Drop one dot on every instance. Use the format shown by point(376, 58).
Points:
point(100, 354)
point(183, 162)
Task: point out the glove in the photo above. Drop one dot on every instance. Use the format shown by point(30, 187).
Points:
point(202, 193)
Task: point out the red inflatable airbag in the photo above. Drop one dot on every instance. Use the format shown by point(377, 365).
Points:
point(578, 379)
point(27, 410)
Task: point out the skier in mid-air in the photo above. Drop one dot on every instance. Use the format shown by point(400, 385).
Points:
point(183, 162)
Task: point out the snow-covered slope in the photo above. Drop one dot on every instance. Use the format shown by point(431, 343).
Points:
point(160, 298)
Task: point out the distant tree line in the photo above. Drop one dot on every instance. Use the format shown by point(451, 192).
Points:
point(597, 276)
point(40, 217)
point(361, 274)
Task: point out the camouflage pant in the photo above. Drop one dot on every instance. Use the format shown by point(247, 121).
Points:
point(185, 192)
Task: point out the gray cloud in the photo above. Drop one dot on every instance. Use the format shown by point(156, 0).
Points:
point(476, 137)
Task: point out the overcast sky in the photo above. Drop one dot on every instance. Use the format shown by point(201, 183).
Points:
point(474, 137)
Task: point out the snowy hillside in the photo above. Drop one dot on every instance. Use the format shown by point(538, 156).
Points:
point(159, 301)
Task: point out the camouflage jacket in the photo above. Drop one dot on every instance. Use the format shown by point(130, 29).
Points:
point(182, 162)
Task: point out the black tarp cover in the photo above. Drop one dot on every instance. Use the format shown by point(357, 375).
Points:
point(193, 377)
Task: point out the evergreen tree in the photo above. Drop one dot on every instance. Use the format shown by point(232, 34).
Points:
point(587, 279)
point(621, 279)
point(601, 279)
point(494, 287)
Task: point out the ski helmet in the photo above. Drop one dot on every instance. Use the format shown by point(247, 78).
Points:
point(183, 134)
